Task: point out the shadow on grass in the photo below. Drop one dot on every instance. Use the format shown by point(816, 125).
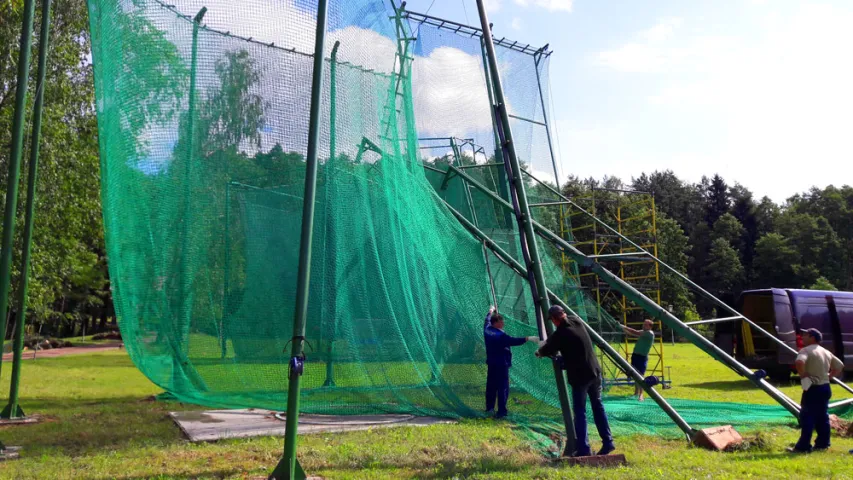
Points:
point(83, 426)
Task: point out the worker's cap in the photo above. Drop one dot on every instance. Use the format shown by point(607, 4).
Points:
point(814, 333)
point(555, 311)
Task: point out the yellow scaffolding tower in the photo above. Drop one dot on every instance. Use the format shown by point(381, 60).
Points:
point(632, 214)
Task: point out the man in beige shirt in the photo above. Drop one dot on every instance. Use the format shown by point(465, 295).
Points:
point(816, 366)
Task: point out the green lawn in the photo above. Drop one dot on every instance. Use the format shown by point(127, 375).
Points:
point(100, 424)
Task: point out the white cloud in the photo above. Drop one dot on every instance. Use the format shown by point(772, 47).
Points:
point(550, 5)
point(635, 58)
point(516, 24)
point(450, 93)
point(662, 31)
point(773, 107)
point(648, 52)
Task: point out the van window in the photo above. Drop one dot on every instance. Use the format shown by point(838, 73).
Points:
point(845, 321)
point(817, 316)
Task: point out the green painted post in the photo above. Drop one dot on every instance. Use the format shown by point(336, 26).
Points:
point(15, 163)
point(330, 167)
point(502, 181)
point(539, 288)
point(288, 467)
point(13, 410)
point(179, 375)
point(537, 57)
point(226, 281)
point(333, 91)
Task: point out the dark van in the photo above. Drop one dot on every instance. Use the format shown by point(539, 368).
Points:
point(785, 313)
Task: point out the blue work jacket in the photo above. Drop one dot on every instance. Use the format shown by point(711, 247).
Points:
point(498, 345)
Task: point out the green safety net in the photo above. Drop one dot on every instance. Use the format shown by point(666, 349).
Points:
point(203, 136)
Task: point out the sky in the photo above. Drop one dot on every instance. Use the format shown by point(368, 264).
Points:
point(757, 91)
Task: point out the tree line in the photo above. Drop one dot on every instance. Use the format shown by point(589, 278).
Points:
point(727, 240)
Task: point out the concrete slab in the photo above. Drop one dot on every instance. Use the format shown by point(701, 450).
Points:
point(214, 425)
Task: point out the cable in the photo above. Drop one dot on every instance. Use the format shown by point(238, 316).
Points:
point(464, 9)
point(430, 7)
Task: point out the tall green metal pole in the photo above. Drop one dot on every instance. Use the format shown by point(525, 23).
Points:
point(330, 168)
point(538, 286)
point(502, 182)
point(15, 162)
point(179, 375)
point(333, 90)
point(13, 410)
point(537, 57)
point(226, 281)
point(288, 467)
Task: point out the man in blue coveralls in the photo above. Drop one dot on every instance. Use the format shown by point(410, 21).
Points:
point(498, 361)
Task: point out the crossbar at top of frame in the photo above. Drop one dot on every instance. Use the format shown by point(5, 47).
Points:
point(462, 29)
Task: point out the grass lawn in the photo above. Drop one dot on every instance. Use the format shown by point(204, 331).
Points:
point(100, 424)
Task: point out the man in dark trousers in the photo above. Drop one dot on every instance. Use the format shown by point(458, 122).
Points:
point(498, 361)
point(816, 367)
point(583, 373)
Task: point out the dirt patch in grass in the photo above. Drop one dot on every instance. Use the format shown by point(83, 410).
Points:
point(754, 443)
point(842, 427)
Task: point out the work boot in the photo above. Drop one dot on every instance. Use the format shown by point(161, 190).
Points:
point(797, 450)
point(607, 448)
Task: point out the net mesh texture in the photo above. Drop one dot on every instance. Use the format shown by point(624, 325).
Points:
point(203, 136)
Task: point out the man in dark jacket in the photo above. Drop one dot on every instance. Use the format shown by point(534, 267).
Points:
point(583, 373)
point(498, 361)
